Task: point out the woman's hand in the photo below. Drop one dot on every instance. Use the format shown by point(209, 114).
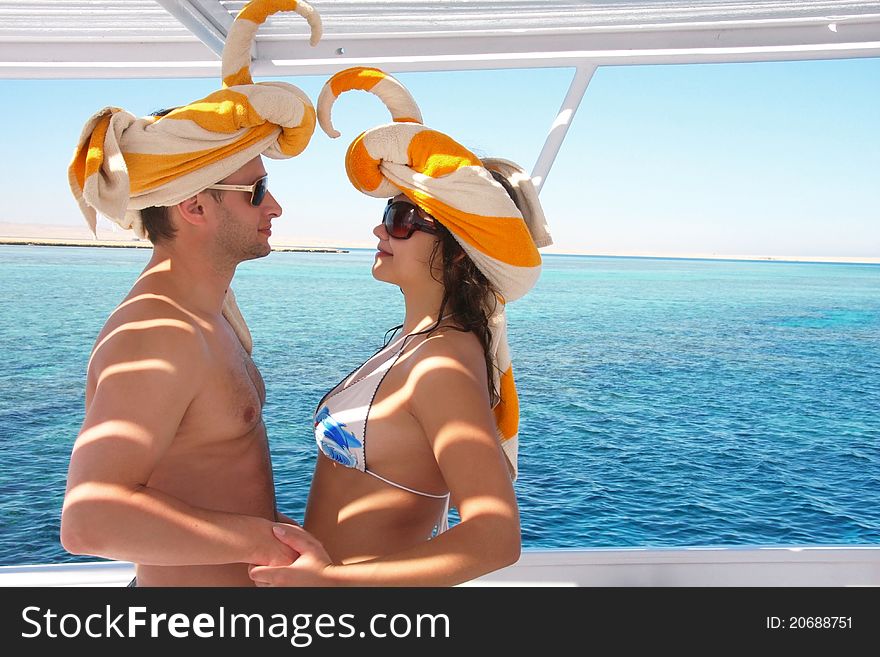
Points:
point(313, 567)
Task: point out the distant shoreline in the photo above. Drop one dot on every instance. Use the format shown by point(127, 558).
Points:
point(131, 244)
point(144, 244)
point(822, 260)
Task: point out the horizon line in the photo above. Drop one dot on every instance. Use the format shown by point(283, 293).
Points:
point(341, 248)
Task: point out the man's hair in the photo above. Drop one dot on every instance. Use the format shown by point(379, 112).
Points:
point(157, 224)
point(157, 220)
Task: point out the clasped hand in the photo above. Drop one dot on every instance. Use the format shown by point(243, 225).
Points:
point(313, 566)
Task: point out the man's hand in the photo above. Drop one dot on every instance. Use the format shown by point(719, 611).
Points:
point(313, 567)
point(270, 550)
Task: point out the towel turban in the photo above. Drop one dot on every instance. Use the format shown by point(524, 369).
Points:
point(123, 164)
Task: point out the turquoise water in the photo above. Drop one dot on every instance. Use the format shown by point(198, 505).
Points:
point(664, 402)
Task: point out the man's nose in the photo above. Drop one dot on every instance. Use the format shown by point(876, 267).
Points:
point(272, 206)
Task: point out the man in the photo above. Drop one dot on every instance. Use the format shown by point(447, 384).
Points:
point(171, 468)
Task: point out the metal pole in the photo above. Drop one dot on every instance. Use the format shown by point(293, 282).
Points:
point(207, 25)
point(582, 76)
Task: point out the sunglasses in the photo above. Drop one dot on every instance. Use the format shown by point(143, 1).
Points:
point(402, 219)
point(258, 189)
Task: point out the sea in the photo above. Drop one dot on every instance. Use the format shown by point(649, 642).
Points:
point(664, 402)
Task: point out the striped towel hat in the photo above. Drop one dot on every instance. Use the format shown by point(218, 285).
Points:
point(123, 164)
point(456, 188)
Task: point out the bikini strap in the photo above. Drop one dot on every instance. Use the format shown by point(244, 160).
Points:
point(409, 490)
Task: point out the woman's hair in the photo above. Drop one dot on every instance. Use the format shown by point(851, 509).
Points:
point(468, 296)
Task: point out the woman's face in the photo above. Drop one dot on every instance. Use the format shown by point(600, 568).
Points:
point(403, 262)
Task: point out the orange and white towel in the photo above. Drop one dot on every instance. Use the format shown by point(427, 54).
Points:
point(456, 188)
point(123, 164)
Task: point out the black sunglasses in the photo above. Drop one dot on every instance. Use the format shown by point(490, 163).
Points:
point(258, 189)
point(402, 219)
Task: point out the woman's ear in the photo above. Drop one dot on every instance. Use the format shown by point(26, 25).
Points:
point(192, 211)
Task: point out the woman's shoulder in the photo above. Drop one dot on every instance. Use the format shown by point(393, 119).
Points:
point(448, 366)
point(446, 346)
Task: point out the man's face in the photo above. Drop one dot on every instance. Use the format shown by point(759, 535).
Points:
point(243, 230)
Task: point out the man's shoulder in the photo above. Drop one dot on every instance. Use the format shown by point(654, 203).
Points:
point(150, 326)
point(147, 303)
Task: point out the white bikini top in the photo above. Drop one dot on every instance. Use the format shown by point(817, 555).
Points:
point(342, 416)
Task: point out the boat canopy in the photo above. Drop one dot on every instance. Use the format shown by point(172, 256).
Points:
point(184, 38)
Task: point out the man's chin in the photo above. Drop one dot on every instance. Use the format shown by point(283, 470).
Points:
point(256, 254)
point(261, 251)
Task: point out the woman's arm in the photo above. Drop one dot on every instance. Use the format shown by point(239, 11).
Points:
point(448, 396)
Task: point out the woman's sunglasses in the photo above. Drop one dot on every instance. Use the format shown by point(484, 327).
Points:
point(258, 189)
point(402, 219)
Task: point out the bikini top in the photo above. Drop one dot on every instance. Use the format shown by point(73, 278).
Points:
point(342, 416)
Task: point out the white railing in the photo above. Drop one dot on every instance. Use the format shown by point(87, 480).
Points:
point(747, 566)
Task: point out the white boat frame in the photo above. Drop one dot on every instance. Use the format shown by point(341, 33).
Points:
point(672, 567)
point(638, 33)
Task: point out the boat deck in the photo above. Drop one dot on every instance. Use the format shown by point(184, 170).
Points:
point(668, 567)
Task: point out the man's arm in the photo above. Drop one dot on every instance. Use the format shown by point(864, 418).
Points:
point(147, 373)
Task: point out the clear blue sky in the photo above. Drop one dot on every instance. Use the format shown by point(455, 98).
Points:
point(729, 159)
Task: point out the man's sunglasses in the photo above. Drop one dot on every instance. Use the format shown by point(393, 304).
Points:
point(258, 189)
point(402, 219)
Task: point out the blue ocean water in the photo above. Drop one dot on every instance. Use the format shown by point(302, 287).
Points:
point(664, 402)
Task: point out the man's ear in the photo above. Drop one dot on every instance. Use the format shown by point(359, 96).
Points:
point(192, 211)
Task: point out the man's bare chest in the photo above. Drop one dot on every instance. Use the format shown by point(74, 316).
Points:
point(230, 403)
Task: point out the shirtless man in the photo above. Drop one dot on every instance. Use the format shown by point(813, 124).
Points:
point(171, 467)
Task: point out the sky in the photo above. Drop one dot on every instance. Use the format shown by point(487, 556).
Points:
point(764, 159)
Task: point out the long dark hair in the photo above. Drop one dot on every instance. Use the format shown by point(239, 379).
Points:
point(469, 299)
point(468, 296)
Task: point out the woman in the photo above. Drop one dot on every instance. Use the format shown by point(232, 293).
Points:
point(456, 244)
